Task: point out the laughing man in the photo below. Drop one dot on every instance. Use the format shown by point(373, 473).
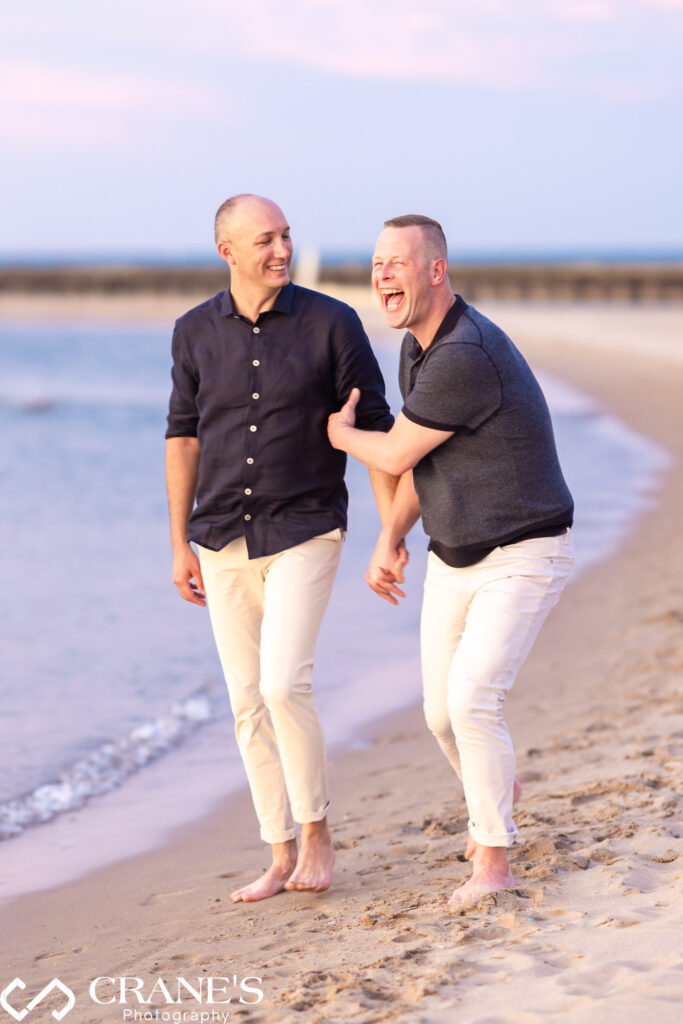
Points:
point(256, 372)
point(474, 448)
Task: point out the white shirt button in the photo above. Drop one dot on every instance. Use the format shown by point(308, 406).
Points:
point(256, 395)
point(256, 330)
point(253, 429)
point(247, 490)
point(247, 517)
point(256, 362)
point(250, 461)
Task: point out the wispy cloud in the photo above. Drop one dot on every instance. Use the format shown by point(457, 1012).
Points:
point(567, 46)
point(48, 102)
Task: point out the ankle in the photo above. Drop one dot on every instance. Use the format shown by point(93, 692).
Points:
point(316, 833)
point(284, 855)
point(491, 859)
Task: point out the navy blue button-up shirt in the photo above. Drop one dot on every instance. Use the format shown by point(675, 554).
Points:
point(257, 396)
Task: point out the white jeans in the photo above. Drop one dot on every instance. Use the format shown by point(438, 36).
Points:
point(266, 613)
point(478, 625)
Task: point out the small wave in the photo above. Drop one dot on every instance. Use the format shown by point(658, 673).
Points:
point(31, 396)
point(106, 768)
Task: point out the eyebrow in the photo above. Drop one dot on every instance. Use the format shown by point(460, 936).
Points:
point(267, 234)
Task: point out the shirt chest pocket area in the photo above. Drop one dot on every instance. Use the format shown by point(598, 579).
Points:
point(226, 386)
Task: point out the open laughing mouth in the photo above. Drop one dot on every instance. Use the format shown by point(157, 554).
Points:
point(391, 298)
point(277, 267)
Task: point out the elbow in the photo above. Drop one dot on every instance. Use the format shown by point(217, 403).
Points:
point(183, 442)
point(396, 463)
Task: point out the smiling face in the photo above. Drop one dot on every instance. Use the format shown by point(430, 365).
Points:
point(403, 277)
point(257, 246)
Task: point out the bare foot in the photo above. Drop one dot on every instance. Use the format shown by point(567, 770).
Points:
point(478, 886)
point(273, 881)
point(313, 872)
point(269, 884)
point(472, 843)
point(490, 873)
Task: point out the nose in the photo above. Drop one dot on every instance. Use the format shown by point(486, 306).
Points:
point(283, 247)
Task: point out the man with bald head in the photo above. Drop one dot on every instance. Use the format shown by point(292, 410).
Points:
point(254, 483)
point(474, 448)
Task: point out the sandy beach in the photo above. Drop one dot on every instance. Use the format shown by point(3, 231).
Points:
point(593, 931)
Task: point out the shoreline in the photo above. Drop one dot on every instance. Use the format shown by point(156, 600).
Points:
point(594, 859)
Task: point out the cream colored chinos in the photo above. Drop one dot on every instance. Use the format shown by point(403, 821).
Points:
point(265, 614)
point(478, 625)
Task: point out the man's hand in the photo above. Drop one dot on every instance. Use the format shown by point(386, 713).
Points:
point(187, 575)
point(338, 422)
point(386, 569)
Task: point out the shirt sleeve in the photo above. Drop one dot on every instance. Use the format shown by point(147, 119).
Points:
point(357, 367)
point(458, 387)
point(182, 412)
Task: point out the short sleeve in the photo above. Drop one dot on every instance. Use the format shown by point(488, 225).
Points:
point(458, 387)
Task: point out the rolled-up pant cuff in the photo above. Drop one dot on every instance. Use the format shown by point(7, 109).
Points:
point(278, 837)
point(311, 816)
point(491, 838)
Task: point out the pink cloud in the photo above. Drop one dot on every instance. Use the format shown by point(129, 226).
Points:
point(490, 43)
point(51, 103)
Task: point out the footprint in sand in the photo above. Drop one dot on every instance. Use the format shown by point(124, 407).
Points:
point(60, 952)
point(161, 897)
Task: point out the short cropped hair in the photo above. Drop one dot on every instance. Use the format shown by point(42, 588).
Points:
point(435, 247)
point(225, 213)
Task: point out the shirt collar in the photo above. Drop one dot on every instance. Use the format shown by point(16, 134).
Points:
point(282, 304)
point(446, 326)
point(450, 320)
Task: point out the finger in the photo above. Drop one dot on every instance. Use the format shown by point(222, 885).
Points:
point(352, 400)
point(199, 582)
point(385, 585)
point(188, 592)
point(379, 592)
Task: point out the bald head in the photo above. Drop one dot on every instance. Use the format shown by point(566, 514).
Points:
point(235, 210)
point(253, 237)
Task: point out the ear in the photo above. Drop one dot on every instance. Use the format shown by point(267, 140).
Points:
point(225, 253)
point(438, 272)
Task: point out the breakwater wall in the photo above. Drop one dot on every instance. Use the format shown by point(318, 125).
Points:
point(627, 282)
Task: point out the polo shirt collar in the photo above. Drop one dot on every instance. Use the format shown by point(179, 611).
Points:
point(451, 318)
point(282, 304)
point(446, 326)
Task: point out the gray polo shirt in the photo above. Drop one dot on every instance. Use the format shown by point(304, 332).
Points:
point(497, 480)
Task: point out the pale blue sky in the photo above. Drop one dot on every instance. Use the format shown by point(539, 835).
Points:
point(520, 124)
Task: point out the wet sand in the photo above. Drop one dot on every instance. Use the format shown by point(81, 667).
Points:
point(593, 930)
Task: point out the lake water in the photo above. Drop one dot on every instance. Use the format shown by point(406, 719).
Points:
point(104, 667)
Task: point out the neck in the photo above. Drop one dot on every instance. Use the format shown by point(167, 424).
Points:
point(251, 304)
point(424, 331)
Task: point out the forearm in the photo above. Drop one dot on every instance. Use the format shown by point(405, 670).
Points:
point(404, 511)
point(384, 487)
point(182, 468)
point(374, 448)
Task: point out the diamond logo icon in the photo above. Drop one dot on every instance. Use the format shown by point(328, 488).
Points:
point(54, 984)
